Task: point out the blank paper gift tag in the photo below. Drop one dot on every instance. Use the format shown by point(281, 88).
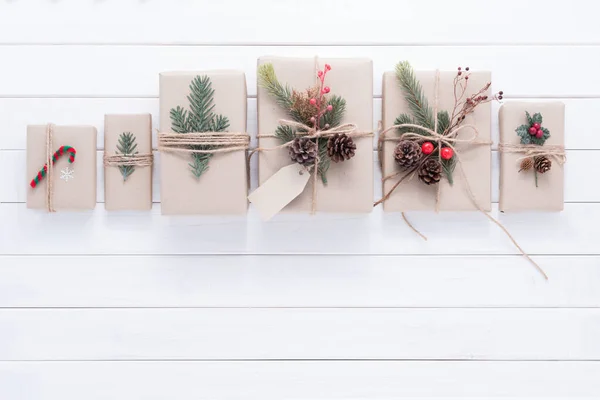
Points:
point(279, 190)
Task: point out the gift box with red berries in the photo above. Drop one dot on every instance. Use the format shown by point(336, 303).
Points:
point(436, 141)
point(330, 86)
point(532, 136)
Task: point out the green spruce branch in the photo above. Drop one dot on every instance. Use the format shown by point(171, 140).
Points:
point(199, 118)
point(422, 113)
point(413, 93)
point(282, 94)
point(126, 146)
point(267, 79)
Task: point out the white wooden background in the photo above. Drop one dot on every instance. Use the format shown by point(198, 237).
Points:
point(138, 306)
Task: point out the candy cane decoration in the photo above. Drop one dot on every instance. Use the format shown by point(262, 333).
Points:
point(58, 153)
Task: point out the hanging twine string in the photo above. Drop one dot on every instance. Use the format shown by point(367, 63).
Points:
point(448, 140)
point(556, 152)
point(214, 142)
point(49, 180)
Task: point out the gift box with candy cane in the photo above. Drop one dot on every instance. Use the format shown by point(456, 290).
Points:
point(61, 167)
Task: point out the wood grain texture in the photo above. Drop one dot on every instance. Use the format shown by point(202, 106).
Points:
point(262, 21)
point(79, 71)
point(573, 231)
point(274, 334)
point(299, 380)
point(309, 281)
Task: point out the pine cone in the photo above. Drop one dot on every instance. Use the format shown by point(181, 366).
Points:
point(526, 164)
point(340, 147)
point(542, 164)
point(430, 172)
point(303, 151)
point(407, 153)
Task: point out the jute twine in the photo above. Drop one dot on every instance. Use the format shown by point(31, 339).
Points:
point(214, 142)
point(49, 180)
point(308, 132)
point(449, 140)
point(126, 160)
point(556, 152)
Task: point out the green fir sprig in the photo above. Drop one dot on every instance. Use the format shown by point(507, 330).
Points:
point(422, 113)
point(287, 98)
point(199, 118)
point(126, 146)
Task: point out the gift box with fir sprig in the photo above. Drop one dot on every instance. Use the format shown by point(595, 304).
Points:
point(204, 182)
point(448, 174)
point(128, 186)
point(345, 160)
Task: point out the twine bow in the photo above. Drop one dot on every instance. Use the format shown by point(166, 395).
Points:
point(306, 131)
point(448, 140)
point(557, 152)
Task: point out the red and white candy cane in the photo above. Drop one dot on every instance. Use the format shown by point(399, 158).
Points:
point(57, 154)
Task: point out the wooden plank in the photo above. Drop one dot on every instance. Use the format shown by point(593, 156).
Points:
point(28, 232)
point(299, 380)
point(20, 112)
point(299, 334)
point(330, 22)
point(296, 281)
point(132, 71)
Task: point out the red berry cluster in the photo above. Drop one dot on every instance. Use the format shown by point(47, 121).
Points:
point(536, 130)
point(446, 153)
point(320, 101)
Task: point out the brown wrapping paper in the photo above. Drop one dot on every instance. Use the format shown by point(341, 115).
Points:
point(517, 189)
point(136, 192)
point(223, 188)
point(76, 193)
point(476, 158)
point(350, 183)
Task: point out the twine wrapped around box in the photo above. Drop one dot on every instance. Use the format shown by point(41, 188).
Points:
point(308, 132)
point(448, 140)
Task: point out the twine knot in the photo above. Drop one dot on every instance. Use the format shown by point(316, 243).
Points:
point(448, 139)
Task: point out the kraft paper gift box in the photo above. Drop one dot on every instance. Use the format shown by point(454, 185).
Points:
point(517, 189)
point(74, 185)
point(223, 188)
point(134, 193)
point(413, 195)
point(350, 183)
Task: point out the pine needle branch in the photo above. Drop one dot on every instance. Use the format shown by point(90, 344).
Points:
point(126, 146)
point(334, 117)
point(200, 118)
point(267, 79)
point(413, 92)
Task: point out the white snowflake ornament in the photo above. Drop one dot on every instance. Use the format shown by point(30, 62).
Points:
point(67, 173)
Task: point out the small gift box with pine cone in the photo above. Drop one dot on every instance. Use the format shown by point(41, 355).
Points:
point(532, 136)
